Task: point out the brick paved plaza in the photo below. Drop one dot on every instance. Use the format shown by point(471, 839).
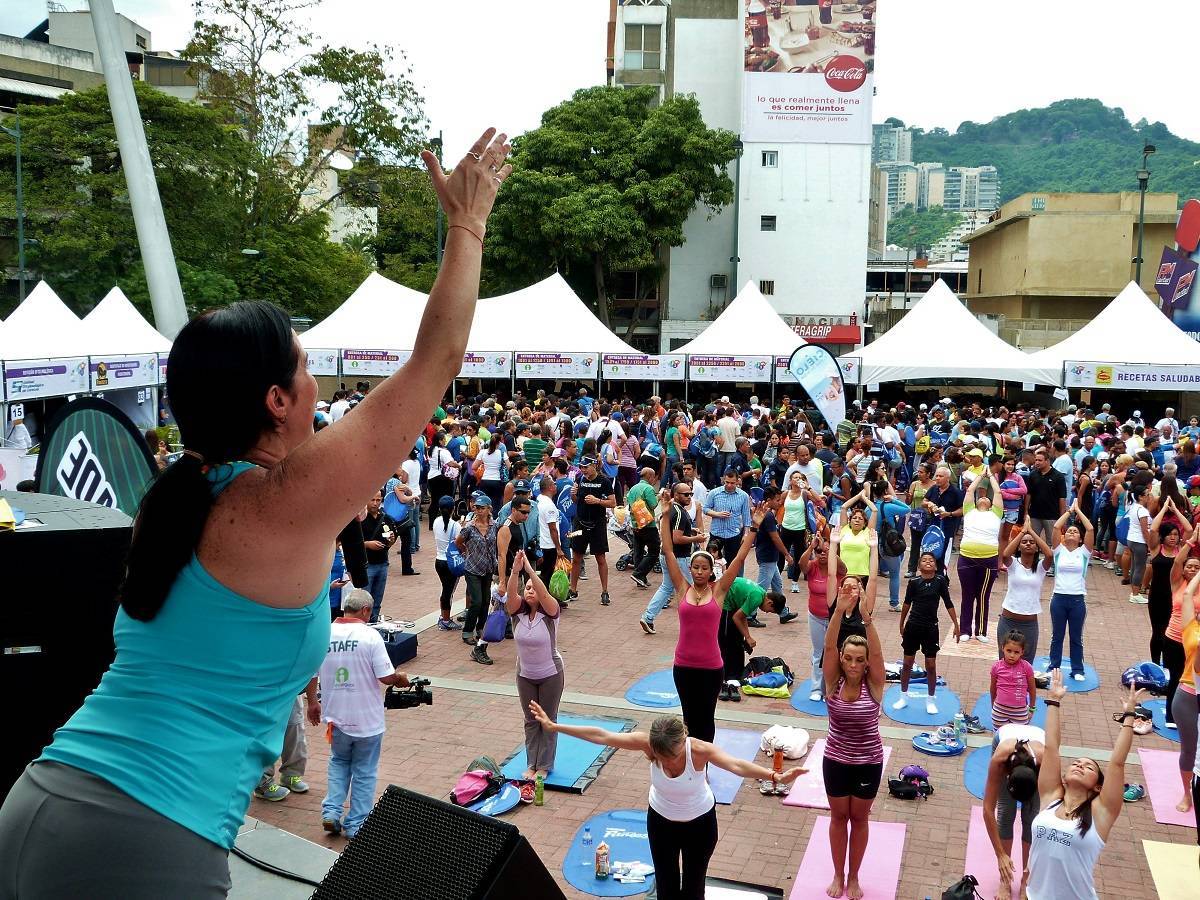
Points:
point(476, 712)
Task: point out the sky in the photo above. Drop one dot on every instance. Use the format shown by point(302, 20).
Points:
point(503, 62)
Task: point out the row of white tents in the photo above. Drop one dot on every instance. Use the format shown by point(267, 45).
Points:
point(550, 327)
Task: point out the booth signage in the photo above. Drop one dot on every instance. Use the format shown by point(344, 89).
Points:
point(373, 362)
point(33, 378)
point(851, 367)
point(557, 365)
point(1131, 376)
point(490, 364)
point(634, 367)
point(16, 411)
point(322, 362)
point(729, 368)
point(162, 368)
point(110, 373)
point(1175, 280)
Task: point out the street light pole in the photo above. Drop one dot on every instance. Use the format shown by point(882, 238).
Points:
point(737, 205)
point(1143, 177)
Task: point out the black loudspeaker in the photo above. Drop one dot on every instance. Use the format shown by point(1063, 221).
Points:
point(60, 574)
point(413, 847)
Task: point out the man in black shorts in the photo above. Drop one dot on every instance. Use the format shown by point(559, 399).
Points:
point(919, 626)
point(594, 496)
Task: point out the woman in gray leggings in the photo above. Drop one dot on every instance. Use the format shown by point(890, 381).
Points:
point(1012, 778)
point(540, 674)
point(1027, 558)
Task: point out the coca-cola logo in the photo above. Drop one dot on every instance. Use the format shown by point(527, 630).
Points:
point(845, 73)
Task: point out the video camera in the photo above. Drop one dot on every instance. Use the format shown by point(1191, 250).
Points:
point(414, 695)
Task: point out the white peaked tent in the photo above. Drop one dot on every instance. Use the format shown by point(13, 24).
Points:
point(380, 314)
point(1131, 329)
point(43, 328)
point(116, 328)
point(749, 326)
point(940, 338)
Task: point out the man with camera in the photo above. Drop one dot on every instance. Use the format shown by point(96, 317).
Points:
point(355, 665)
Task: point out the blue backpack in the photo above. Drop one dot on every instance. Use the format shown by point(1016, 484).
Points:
point(934, 541)
point(705, 445)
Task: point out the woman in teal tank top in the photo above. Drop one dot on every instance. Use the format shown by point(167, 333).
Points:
point(224, 617)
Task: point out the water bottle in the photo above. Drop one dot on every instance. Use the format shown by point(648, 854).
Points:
point(960, 727)
point(587, 835)
point(538, 791)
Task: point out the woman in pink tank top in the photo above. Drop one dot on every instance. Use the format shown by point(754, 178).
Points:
point(854, 684)
point(699, 671)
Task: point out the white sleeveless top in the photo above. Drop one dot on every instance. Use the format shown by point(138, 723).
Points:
point(684, 798)
point(1024, 595)
point(1061, 862)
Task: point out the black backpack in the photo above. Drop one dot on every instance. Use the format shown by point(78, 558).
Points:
point(891, 541)
point(962, 890)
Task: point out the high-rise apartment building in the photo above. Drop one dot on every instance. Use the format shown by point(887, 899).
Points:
point(931, 185)
point(890, 144)
point(799, 226)
point(971, 188)
point(903, 183)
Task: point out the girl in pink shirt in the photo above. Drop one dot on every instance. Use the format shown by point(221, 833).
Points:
point(1014, 691)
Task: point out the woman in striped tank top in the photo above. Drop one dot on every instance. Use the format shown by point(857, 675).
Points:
point(853, 763)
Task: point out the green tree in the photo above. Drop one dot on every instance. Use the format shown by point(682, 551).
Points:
point(603, 185)
point(911, 229)
point(406, 245)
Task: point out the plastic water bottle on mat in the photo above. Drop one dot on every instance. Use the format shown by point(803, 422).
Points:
point(587, 835)
point(960, 727)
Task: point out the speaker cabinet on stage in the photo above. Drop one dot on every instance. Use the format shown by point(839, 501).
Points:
point(413, 847)
point(60, 575)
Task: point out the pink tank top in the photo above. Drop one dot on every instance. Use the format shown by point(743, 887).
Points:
point(697, 647)
point(853, 736)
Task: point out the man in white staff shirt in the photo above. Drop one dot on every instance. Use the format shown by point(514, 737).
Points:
point(355, 666)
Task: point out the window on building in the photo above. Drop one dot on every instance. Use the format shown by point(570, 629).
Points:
point(767, 288)
point(643, 47)
point(140, 41)
point(770, 159)
point(766, 223)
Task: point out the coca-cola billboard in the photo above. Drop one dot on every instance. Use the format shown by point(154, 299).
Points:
point(808, 72)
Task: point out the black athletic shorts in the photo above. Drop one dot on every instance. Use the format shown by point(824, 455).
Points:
point(925, 637)
point(592, 539)
point(846, 780)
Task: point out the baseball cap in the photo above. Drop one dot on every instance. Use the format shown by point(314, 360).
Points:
point(481, 500)
point(446, 502)
point(521, 486)
point(725, 399)
point(587, 461)
point(946, 401)
point(558, 453)
point(975, 451)
point(618, 417)
point(924, 407)
point(321, 404)
point(1194, 481)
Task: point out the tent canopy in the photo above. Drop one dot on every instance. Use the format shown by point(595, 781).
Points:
point(42, 328)
point(544, 317)
point(749, 326)
point(940, 338)
point(115, 327)
point(1131, 329)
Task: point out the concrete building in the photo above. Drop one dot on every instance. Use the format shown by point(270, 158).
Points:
point(972, 187)
point(931, 185)
point(903, 185)
point(890, 144)
point(802, 211)
point(1048, 263)
point(951, 248)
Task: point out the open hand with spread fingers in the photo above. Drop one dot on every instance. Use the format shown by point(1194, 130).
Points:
point(468, 192)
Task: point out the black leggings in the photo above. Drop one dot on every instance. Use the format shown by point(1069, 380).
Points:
point(698, 690)
point(733, 647)
point(694, 841)
point(439, 487)
point(448, 582)
point(1173, 661)
point(794, 542)
point(1159, 610)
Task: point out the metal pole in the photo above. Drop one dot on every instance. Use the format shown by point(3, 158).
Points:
point(1143, 183)
point(158, 259)
point(737, 206)
point(20, 214)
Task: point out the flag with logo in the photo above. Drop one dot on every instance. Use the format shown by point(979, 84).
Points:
point(818, 373)
point(93, 452)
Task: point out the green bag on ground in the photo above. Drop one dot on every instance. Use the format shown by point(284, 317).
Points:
point(560, 585)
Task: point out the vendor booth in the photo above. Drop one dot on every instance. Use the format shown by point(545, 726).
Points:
point(125, 358)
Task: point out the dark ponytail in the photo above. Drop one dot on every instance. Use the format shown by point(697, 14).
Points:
point(221, 366)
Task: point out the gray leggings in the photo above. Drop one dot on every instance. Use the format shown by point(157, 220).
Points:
point(541, 745)
point(1029, 629)
point(1137, 568)
point(67, 833)
point(1184, 709)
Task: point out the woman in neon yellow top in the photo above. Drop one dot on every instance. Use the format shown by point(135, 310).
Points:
point(978, 558)
point(853, 549)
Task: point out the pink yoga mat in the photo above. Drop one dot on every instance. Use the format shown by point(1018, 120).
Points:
point(809, 789)
point(880, 872)
point(1160, 768)
point(981, 858)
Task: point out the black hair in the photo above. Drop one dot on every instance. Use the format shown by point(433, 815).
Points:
point(239, 353)
point(778, 601)
point(28, 486)
point(1022, 772)
point(1013, 637)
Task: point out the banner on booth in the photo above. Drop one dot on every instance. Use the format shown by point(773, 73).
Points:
point(111, 373)
point(1130, 376)
point(32, 378)
point(491, 364)
point(808, 72)
point(645, 367)
point(557, 365)
point(322, 362)
point(373, 362)
point(162, 368)
point(729, 368)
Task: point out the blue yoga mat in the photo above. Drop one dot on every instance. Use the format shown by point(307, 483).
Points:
point(737, 743)
point(975, 770)
point(1158, 709)
point(498, 804)
point(983, 711)
point(656, 690)
point(624, 830)
point(576, 762)
point(1090, 682)
point(801, 703)
point(921, 742)
point(914, 714)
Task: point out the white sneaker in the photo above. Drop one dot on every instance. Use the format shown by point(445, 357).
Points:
point(901, 703)
point(815, 697)
point(1139, 599)
point(795, 588)
point(930, 708)
point(983, 639)
point(1171, 725)
point(963, 638)
point(1079, 677)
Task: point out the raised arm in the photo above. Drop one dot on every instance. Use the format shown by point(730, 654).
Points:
point(734, 567)
point(1152, 538)
point(1059, 527)
point(704, 752)
point(1107, 806)
point(1008, 552)
point(514, 596)
point(1089, 533)
point(873, 576)
point(1050, 774)
point(1185, 550)
point(540, 592)
point(621, 740)
point(831, 666)
point(875, 666)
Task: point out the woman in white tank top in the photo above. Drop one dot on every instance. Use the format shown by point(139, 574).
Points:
point(682, 818)
point(1079, 808)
